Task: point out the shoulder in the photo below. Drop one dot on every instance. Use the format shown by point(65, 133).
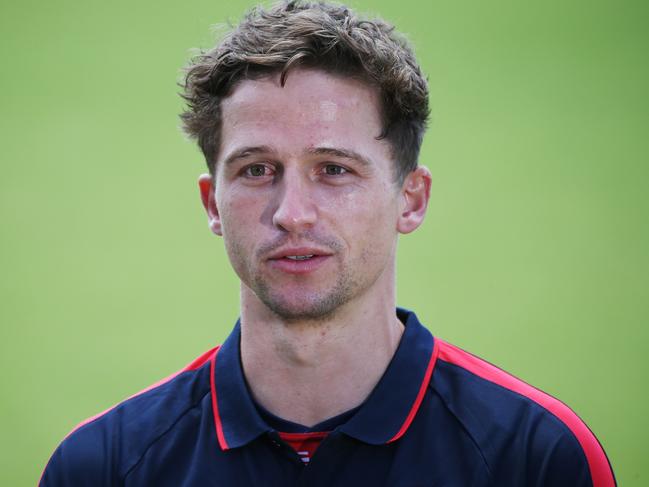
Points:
point(522, 432)
point(102, 449)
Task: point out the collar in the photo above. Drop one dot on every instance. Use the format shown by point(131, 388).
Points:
point(237, 420)
point(384, 416)
point(392, 405)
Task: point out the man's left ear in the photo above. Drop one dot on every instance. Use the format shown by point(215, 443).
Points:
point(415, 193)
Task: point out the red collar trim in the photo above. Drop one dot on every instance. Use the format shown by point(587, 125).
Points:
point(420, 394)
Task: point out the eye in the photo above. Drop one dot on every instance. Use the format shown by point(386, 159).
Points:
point(257, 171)
point(334, 170)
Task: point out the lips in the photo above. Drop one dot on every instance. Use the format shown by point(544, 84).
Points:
point(298, 260)
point(298, 253)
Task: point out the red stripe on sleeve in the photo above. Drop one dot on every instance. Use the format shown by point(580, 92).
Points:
point(598, 464)
point(194, 365)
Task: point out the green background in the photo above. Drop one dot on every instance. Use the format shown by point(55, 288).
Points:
point(533, 255)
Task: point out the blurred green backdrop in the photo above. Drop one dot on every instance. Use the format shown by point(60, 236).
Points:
point(534, 253)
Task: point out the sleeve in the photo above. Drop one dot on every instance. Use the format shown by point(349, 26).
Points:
point(537, 448)
point(564, 462)
point(83, 459)
point(559, 454)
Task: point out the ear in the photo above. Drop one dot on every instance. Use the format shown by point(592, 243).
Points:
point(415, 194)
point(206, 186)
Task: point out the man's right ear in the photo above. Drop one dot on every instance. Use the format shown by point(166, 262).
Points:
point(206, 186)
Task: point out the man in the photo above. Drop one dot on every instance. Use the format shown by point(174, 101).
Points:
point(311, 121)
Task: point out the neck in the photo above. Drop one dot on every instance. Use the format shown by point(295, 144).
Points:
point(308, 372)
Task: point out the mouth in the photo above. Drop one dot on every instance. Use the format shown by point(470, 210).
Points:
point(298, 261)
point(299, 257)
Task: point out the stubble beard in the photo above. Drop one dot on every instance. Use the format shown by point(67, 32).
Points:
point(311, 306)
point(315, 305)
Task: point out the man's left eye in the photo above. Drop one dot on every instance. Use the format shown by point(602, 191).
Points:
point(334, 170)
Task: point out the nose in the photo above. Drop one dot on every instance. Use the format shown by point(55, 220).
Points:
point(295, 209)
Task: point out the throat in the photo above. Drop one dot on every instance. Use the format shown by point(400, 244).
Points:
point(307, 373)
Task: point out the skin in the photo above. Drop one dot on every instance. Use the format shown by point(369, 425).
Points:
point(300, 167)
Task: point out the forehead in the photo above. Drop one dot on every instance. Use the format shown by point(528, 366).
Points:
point(312, 108)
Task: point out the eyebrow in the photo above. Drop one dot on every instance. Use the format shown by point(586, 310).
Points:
point(326, 151)
point(343, 153)
point(248, 151)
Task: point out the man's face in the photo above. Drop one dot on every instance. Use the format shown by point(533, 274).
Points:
point(305, 196)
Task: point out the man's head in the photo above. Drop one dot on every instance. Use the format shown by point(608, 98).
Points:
point(302, 162)
point(315, 35)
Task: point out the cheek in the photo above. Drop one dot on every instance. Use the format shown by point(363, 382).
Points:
point(240, 226)
point(362, 200)
point(238, 214)
point(239, 246)
point(376, 206)
point(367, 220)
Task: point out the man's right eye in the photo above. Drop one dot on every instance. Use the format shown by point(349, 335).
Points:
point(257, 170)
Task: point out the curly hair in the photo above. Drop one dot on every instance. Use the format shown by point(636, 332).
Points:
point(316, 35)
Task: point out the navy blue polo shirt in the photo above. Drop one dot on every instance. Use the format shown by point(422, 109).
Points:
point(438, 417)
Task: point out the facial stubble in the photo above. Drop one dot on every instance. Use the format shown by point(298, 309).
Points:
point(316, 305)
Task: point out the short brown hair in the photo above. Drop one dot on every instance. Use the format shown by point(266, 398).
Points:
point(315, 35)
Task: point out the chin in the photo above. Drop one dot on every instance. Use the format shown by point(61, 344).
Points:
point(316, 308)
